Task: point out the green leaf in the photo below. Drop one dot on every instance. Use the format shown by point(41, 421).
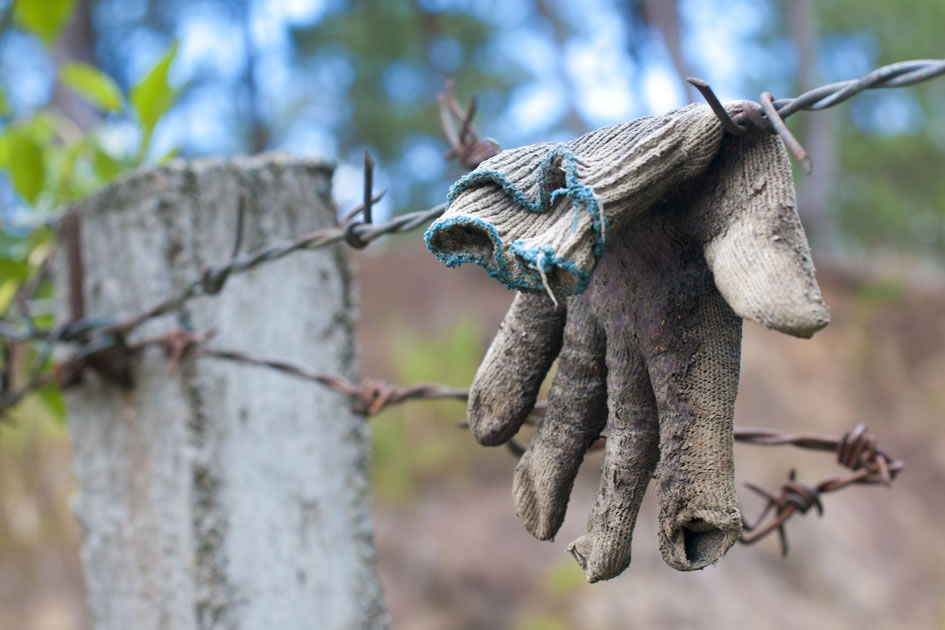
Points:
point(68, 186)
point(13, 270)
point(7, 291)
point(4, 104)
point(105, 165)
point(48, 320)
point(43, 18)
point(6, 148)
point(42, 126)
point(51, 397)
point(26, 165)
point(92, 84)
point(153, 96)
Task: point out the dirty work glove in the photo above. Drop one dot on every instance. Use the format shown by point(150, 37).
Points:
point(650, 351)
point(555, 206)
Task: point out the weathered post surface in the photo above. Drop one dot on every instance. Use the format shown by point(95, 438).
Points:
point(222, 495)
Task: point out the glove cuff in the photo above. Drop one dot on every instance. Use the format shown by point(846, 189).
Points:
point(548, 207)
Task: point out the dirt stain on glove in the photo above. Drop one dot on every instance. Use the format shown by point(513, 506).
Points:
point(649, 349)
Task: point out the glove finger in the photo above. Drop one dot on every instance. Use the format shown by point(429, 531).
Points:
point(631, 456)
point(695, 380)
point(506, 385)
point(754, 241)
point(575, 417)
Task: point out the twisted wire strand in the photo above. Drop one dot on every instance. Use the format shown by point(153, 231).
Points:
point(900, 74)
point(769, 115)
point(857, 450)
point(100, 338)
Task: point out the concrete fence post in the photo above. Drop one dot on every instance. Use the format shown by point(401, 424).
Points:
point(221, 495)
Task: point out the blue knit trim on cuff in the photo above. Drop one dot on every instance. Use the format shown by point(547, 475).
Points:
point(582, 199)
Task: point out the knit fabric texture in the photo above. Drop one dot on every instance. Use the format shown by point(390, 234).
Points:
point(552, 205)
point(649, 352)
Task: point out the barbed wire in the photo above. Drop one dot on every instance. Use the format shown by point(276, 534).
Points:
point(857, 450)
point(368, 398)
point(102, 343)
point(212, 280)
point(111, 337)
point(769, 115)
point(465, 143)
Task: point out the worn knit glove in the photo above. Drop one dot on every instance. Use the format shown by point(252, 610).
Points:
point(650, 351)
point(555, 206)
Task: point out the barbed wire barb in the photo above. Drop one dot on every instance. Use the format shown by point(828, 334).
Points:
point(769, 115)
point(465, 145)
point(857, 450)
point(368, 187)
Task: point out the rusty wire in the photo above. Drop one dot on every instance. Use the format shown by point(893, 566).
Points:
point(857, 450)
point(465, 143)
point(212, 279)
point(368, 398)
point(769, 115)
point(102, 342)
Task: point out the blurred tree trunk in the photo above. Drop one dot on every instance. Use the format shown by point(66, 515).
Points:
point(819, 138)
point(218, 495)
point(572, 119)
point(664, 16)
point(75, 43)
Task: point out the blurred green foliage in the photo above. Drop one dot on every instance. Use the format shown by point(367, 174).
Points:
point(414, 442)
point(50, 163)
point(376, 35)
point(397, 68)
point(43, 18)
point(564, 578)
point(95, 86)
point(880, 291)
point(890, 143)
point(541, 621)
point(152, 97)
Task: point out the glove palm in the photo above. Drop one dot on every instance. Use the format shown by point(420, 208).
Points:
point(649, 352)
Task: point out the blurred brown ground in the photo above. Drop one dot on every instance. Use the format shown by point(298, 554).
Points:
point(453, 554)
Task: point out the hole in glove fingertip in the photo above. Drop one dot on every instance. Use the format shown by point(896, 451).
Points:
point(700, 540)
